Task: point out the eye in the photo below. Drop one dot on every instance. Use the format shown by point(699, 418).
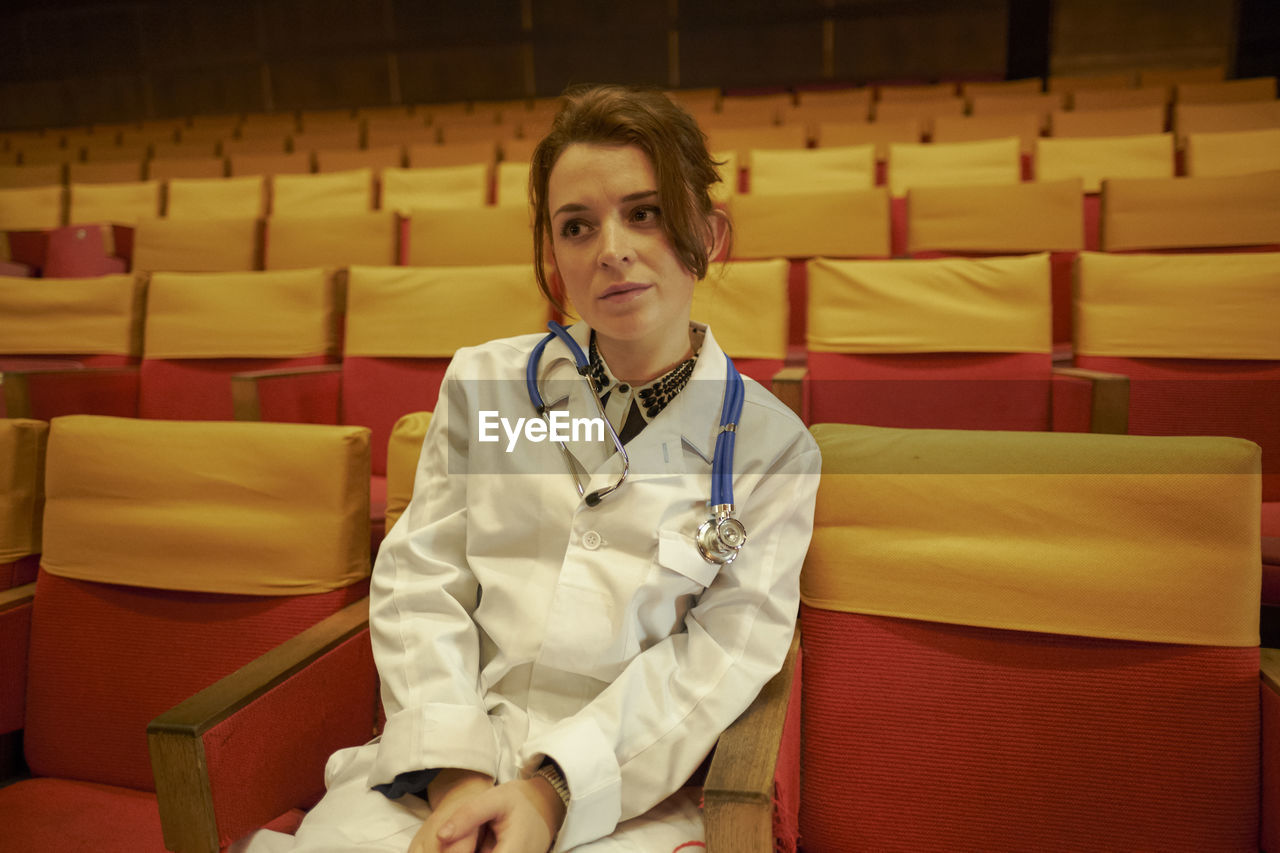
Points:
point(573, 228)
point(646, 213)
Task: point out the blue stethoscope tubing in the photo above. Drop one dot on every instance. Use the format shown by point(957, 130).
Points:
point(720, 537)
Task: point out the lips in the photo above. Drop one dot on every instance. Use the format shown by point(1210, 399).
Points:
point(623, 291)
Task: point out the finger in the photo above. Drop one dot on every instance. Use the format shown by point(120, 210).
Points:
point(470, 816)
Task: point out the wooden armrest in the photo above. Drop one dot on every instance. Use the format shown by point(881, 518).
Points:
point(1270, 668)
point(178, 761)
point(1109, 409)
point(738, 793)
point(788, 386)
point(17, 596)
point(246, 398)
point(16, 385)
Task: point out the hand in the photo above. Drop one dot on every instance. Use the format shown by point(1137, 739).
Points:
point(523, 816)
point(445, 794)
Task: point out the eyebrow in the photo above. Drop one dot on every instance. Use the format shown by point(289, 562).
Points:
point(626, 199)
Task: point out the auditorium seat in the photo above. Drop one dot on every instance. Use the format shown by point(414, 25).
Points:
point(1095, 160)
point(223, 244)
point(1040, 103)
point(953, 343)
point(332, 241)
point(442, 236)
point(1018, 642)
point(158, 579)
point(1120, 121)
point(443, 186)
point(511, 185)
point(923, 111)
point(1226, 91)
point(200, 328)
point(1191, 213)
point(1240, 153)
point(106, 171)
point(268, 165)
point(217, 198)
point(740, 140)
point(799, 226)
point(1110, 99)
point(334, 193)
point(377, 159)
point(22, 448)
point(891, 93)
point(1026, 126)
point(403, 451)
point(393, 356)
point(746, 305)
point(1220, 118)
point(881, 134)
point(1177, 76)
point(17, 177)
point(67, 322)
point(1195, 334)
point(431, 156)
point(170, 167)
point(1039, 216)
point(811, 170)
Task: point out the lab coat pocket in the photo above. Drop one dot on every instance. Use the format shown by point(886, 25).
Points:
point(679, 553)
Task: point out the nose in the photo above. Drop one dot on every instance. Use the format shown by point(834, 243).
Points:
point(615, 244)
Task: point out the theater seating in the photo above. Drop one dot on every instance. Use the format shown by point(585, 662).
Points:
point(200, 329)
point(1019, 642)
point(949, 343)
point(174, 554)
point(746, 305)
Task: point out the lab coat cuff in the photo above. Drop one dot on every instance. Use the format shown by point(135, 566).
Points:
point(590, 767)
point(435, 736)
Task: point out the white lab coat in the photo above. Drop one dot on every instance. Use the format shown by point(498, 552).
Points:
point(511, 622)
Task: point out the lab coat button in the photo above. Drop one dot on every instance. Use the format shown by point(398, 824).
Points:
point(591, 540)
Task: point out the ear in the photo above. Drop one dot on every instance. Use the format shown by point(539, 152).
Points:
point(720, 229)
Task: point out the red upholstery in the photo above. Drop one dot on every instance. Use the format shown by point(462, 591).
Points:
point(111, 391)
point(1241, 398)
point(1009, 391)
point(19, 572)
point(376, 392)
point(107, 659)
point(1270, 834)
point(925, 737)
point(72, 251)
point(199, 389)
point(263, 742)
point(15, 631)
point(81, 816)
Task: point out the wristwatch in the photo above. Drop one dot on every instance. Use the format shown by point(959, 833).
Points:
point(551, 772)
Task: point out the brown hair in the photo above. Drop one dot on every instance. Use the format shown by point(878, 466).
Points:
point(674, 144)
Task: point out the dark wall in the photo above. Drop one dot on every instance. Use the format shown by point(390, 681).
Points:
point(65, 62)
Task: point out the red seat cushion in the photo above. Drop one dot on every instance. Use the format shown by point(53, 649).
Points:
point(1185, 396)
point(200, 388)
point(377, 392)
point(921, 736)
point(106, 659)
point(1007, 391)
point(68, 817)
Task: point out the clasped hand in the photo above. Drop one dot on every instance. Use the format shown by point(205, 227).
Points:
point(469, 814)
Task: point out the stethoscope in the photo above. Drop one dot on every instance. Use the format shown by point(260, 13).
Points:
point(721, 536)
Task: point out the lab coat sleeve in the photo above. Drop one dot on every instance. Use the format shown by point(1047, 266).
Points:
point(644, 735)
point(422, 597)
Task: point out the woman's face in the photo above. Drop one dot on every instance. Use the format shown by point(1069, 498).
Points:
point(610, 250)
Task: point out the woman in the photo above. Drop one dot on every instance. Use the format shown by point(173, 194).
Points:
point(557, 656)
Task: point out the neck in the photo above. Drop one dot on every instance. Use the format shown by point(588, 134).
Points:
point(639, 362)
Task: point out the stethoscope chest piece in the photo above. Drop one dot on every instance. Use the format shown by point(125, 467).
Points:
point(721, 537)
